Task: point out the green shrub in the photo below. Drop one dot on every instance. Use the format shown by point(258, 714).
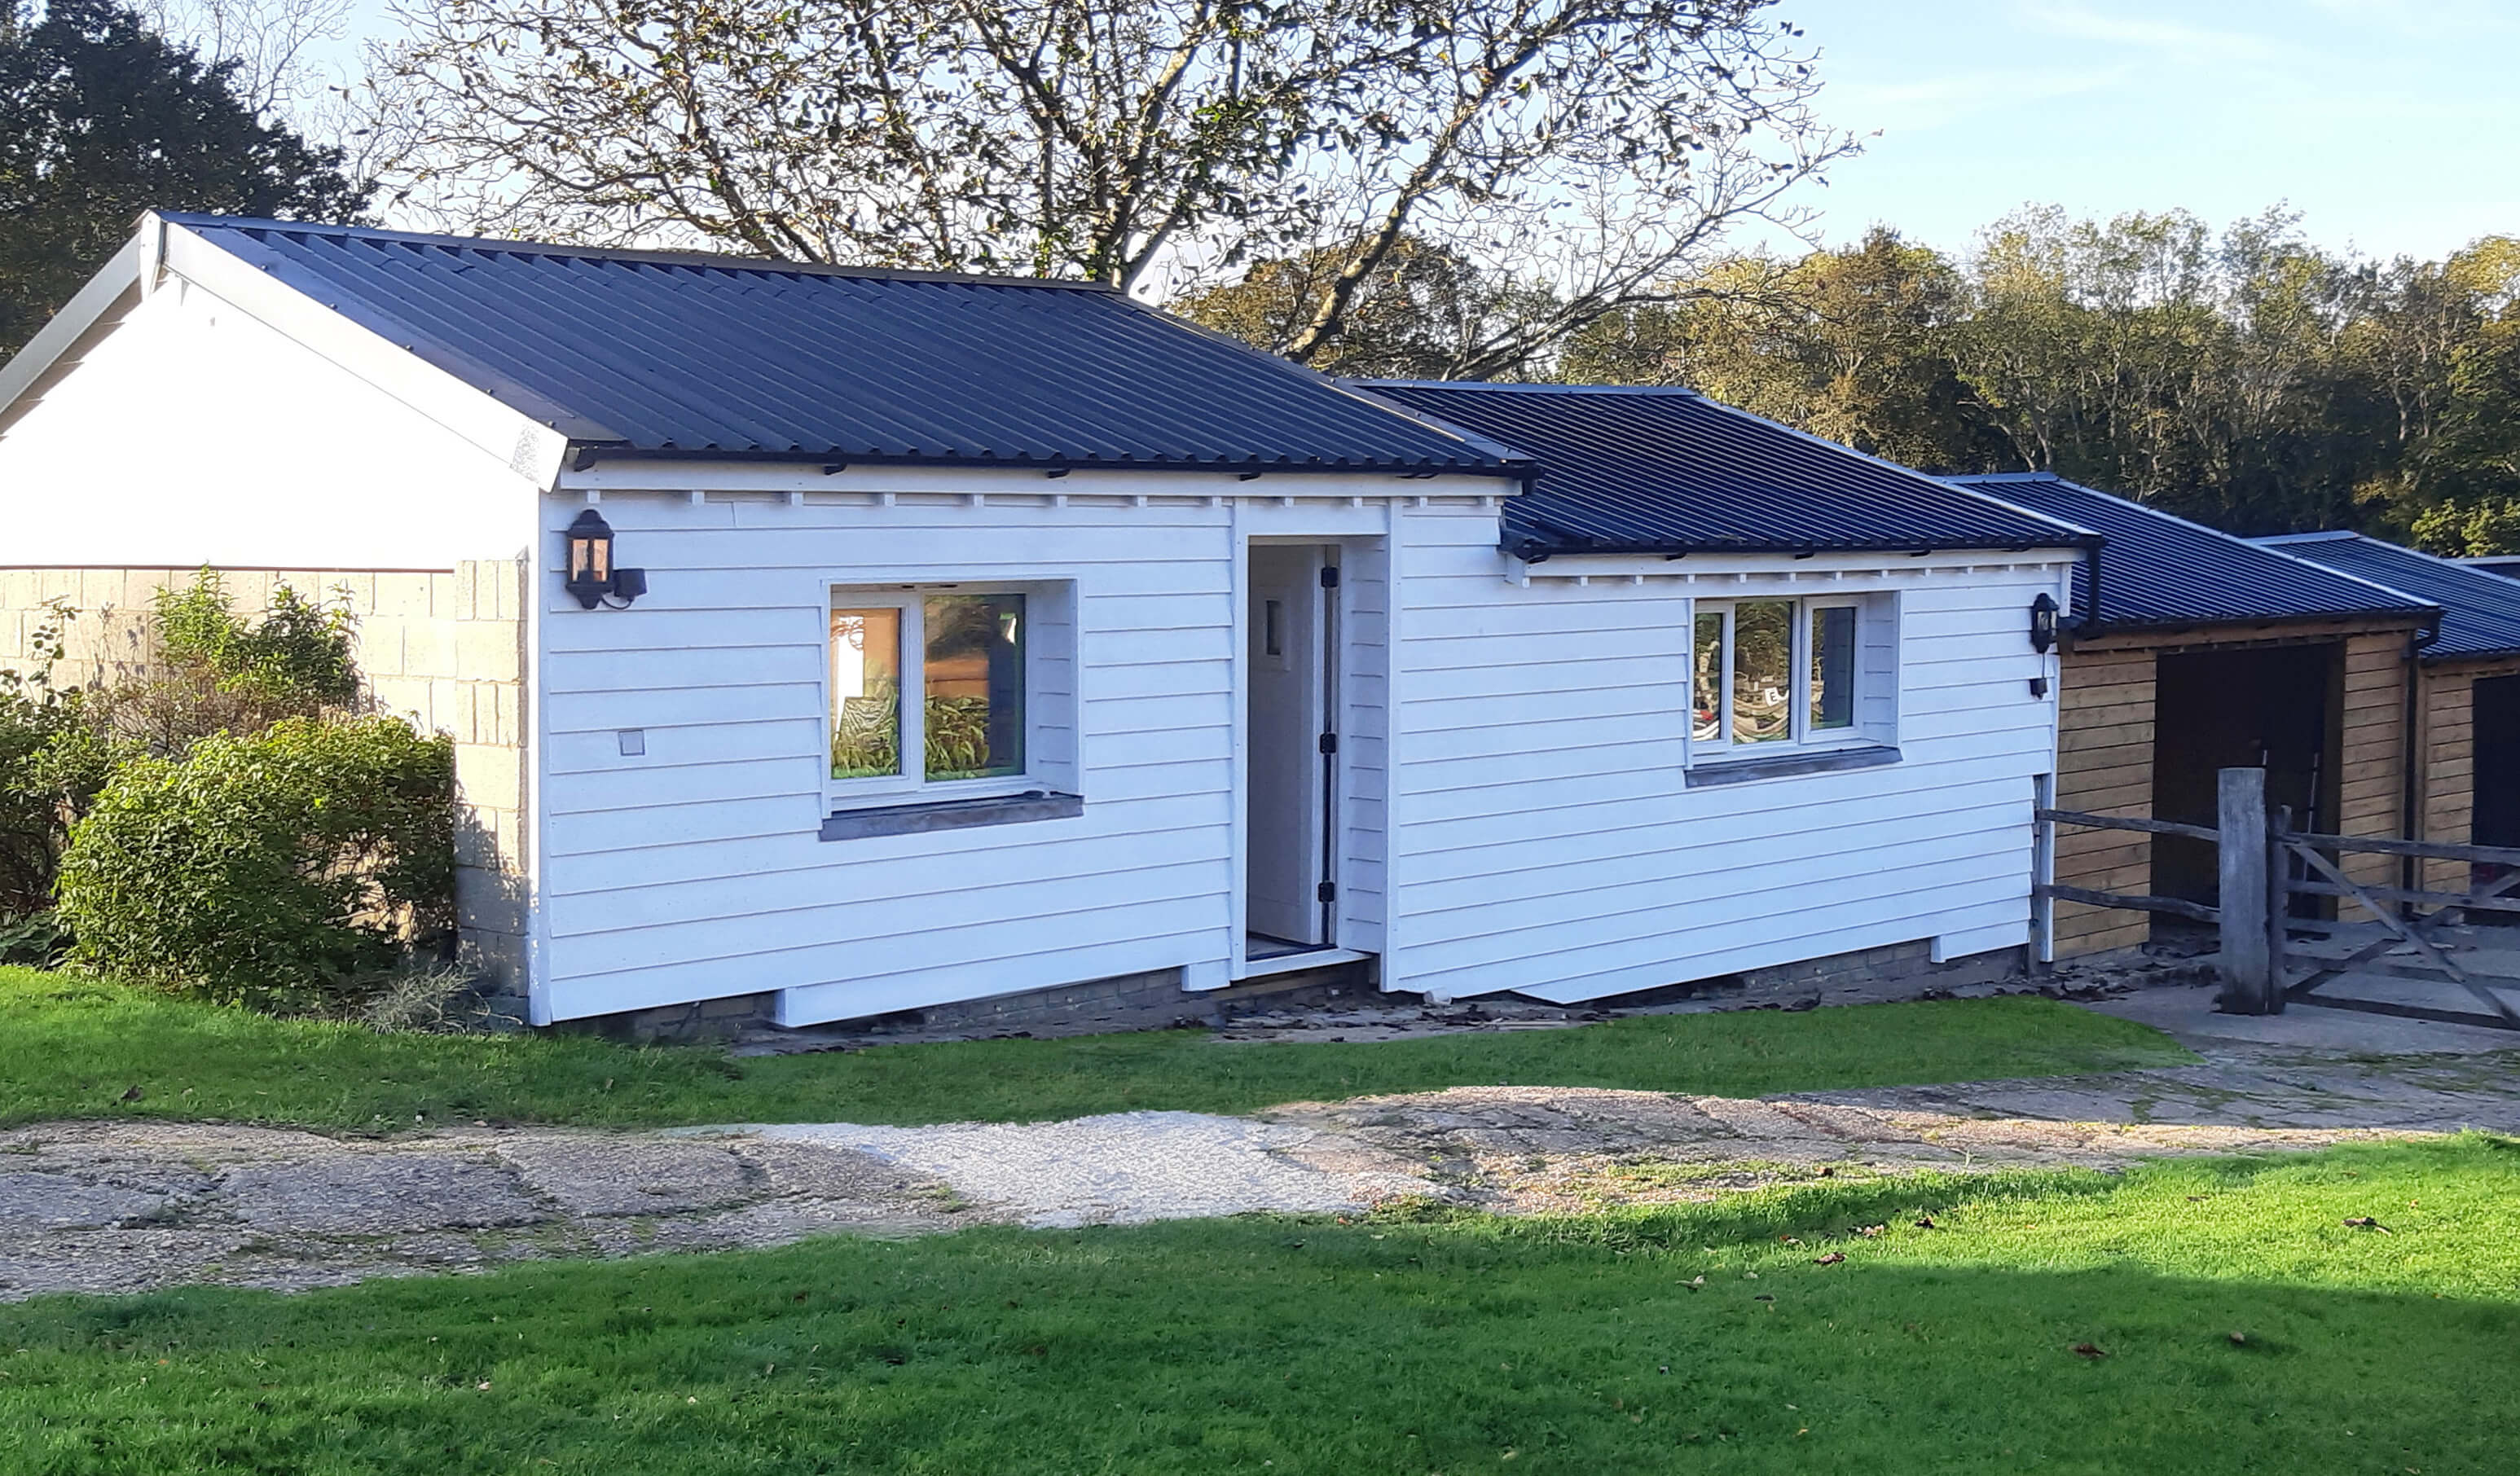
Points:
point(298, 655)
point(50, 766)
point(273, 868)
point(218, 672)
point(32, 940)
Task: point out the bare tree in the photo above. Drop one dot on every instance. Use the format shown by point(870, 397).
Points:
point(270, 41)
point(1595, 147)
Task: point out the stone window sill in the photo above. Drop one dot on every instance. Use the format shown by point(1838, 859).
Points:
point(1743, 771)
point(952, 815)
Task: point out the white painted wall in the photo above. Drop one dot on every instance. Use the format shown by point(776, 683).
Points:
point(1543, 835)
point(194, 433)
point(695, 870)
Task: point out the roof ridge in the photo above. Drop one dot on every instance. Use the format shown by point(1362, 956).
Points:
point(1492, 387)
point(708, 260)
point(2324, 535)
point(2346, 535)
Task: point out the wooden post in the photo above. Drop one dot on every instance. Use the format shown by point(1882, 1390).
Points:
point(2242, 845)
point(2278, 907)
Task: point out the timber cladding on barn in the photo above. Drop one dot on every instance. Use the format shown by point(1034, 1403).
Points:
point(2455, 788)
point(2115, 744)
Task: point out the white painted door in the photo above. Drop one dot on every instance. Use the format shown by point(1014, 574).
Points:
point(1289, 641)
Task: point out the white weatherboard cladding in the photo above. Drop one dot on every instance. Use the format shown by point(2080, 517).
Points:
point(695, 870)
point(1544, 839)
point(192, 432)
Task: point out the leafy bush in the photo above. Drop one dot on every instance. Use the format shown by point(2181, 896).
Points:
point(218, 672)
point(300, 655)
point(276, 868)
point(46, 763)
point(32, 939)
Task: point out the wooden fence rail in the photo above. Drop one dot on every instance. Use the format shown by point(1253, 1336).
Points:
point(2258, 855)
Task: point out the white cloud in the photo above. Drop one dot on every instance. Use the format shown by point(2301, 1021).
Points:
point(2196, 44)
point(1915, 106)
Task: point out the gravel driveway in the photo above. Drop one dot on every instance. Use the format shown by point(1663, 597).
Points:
point(130, 1206)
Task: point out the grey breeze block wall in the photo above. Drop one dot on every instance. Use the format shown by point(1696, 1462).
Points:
point(443, 649)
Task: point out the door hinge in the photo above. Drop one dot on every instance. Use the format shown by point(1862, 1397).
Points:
point(1328, 891)
point(1329, 743)
point(1330, 576)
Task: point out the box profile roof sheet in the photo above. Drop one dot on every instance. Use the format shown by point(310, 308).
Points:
point(691, 354)
point(1671, 471)
point(2480, 610)
point(2159, 571)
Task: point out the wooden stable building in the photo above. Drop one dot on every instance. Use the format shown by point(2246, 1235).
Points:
point(2187, 651)
point(2468, 676)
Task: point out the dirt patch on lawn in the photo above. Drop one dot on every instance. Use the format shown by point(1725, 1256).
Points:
point(1546, 1151)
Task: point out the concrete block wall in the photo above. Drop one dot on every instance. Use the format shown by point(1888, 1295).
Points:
point(488, 718)
point(404, 617)
point(442, 647)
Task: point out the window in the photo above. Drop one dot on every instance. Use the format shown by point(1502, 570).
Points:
point(1773, 673)
point(963, 653)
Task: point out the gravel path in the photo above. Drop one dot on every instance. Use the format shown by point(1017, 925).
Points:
point(130, 1206)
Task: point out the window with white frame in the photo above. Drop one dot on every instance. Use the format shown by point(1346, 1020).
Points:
point(931, 690)
point(1773, 674)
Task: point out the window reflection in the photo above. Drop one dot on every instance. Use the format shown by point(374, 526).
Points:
point(976, 685)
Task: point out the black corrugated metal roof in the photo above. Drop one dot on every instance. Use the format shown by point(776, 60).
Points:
point(695, 354)
point(2160, 570)
point(2480, 610)
point(1668, 470)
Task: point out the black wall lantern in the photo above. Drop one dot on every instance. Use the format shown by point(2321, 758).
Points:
point(591, 576)
point(2043, 624)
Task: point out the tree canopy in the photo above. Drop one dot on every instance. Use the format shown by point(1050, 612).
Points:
point(101, 118)
point(1599, 146)
point(2244, 378)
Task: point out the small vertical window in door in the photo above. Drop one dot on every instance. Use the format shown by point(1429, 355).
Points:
point(1273, 627)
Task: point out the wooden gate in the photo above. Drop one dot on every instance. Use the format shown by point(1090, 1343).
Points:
point(2265, 864)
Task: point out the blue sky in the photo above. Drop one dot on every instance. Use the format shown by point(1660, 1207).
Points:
point(2392, 127)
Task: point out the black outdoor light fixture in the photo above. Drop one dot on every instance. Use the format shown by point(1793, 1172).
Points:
point(2043, 624)
point(591, 576)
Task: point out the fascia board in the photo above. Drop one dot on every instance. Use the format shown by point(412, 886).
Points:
point(530, 445)
point(118, 280)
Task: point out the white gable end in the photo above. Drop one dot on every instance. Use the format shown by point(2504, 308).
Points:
point(191, 431)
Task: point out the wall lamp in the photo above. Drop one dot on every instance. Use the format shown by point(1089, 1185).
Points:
point(2043, 624)
point(591, 576)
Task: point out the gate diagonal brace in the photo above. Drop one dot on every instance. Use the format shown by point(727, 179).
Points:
point(2432, 956)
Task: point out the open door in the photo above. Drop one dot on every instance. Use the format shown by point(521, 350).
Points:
point(1290, 747)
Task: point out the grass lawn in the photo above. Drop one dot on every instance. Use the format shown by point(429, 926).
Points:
point(75, 1047)
point(1453, 1345)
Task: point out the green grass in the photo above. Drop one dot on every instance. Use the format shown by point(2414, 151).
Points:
point(1453, 1345)
point(76, 1046)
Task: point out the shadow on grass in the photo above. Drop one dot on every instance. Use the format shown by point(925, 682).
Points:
point(1692, 1338)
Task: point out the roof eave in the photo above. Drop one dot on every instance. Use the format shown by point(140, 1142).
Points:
point(122, 276)
point(586, 454)
point(1674, 549)
point(2410, 618)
